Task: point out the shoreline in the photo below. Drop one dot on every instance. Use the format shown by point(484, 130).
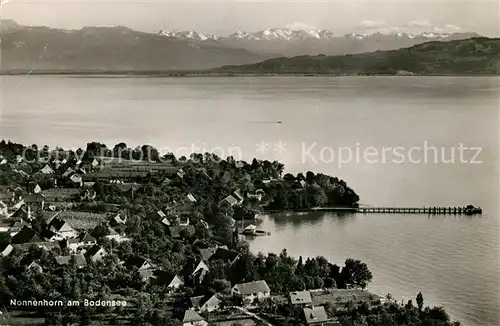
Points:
point(178, 74)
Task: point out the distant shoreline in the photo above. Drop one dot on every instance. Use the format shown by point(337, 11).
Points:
point(172, 74)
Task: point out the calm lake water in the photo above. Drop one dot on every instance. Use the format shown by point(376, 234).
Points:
point(454, 261)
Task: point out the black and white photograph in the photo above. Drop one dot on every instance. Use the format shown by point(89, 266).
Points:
point(250, 163)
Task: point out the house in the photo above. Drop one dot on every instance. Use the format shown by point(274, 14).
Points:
point(181, 173)
point(231, 200)
point(239, 164)
point(179, 231)
point(238, 196)
point(96, 253)
point(251, 291)
point(302, 183)
point(68, 172)
point(35, 200)
point(166, 182)
point(3, 209)
point(197, 272)
point(161, 214)
point(6, 249)
point(118, 220)
point(191, 318)
point(315, 316)
point(79, 260)
point(84, 240)
point(77, 180)
point(225, 255)
point(63, 229)
point(184, 222)
point(140, 263)
point(21, 173)
point(50, 236)
point(16, 226)
point(191, 198)
point(33, 266)
point(20, 213)
point(206, 303)
point(112, 235)
point(47, 170)
point(26, 235)
point(87, 240)
point(300, 298)
point(95, 163)
point(165, 221)
point(37, 189)
point(19, 159)
point(63, 260)
point(170, 280)
point(206, 253)
point(88, 184)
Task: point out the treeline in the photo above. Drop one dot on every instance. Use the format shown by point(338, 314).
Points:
point(206, 175)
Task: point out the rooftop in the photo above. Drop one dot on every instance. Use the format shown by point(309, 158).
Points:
point(252, 287)
point(300, 297)
point(315, 315)
point(191, 316)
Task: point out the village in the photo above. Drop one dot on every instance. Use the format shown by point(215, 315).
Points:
point(93, 215)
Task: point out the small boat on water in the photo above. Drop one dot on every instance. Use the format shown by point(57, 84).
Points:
point(260, 233)
point(471, 210)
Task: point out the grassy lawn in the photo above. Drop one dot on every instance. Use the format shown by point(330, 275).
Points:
point(80, 220)
point(339, 297)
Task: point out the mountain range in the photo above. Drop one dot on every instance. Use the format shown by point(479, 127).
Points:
point(289, 43)
point(479, 55)
point(118, 48)
point(110, 48)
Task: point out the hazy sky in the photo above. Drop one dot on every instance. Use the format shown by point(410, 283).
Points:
point(224, 17)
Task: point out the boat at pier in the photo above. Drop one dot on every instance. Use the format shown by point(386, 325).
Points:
point(252, 231)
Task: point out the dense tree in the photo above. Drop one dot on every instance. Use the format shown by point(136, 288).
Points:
point(420, 301)
point(356, 272)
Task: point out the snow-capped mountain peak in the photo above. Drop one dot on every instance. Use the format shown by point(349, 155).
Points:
point(428, 35)
point(285, 34)
point(192, 35)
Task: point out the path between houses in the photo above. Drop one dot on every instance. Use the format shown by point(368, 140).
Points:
point(251, 314)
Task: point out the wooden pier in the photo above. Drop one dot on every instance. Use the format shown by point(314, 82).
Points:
point(419, 210)
point(467, 210)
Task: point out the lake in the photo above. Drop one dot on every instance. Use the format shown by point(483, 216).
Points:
point(405, 141)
